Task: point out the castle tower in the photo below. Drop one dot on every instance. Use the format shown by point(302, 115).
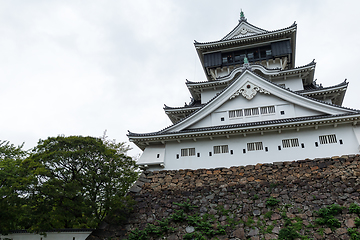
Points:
point(255, 106)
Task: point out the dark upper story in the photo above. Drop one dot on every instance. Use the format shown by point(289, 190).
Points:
point(269, 51)
point(273, 49)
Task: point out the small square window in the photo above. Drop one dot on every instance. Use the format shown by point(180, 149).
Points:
point(279, 147)
point(282, 112)
point(302, 145)
point(244, 150)
point(231, 152)
point(316, 144)
point(177, 156)
point(198, 154)
point(158, 155)
point(210, 154)
point(222, 119)
point(266, 149)
point(341, 141)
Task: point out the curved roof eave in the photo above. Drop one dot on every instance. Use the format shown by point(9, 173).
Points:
point(263, 69)
point(293, 27)
point(306, 121)
point(342, 85)
point(165, 130)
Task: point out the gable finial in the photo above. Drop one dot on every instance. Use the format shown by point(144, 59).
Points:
point(242, 16)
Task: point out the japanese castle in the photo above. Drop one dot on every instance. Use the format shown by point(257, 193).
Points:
point(255, 106)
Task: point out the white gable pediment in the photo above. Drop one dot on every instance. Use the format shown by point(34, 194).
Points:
point(248, 86)
point(243, 29)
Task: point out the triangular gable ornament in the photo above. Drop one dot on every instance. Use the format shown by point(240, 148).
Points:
point(249, 90)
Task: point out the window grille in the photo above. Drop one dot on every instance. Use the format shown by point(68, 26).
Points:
point(264, 110)
point(271, 109)
point(255, 146)
point(288, 143)
point(187, 152)
point(251, 111)
point(221, 149)
point(247, 112)
point(327, 139)
point(267, 110)
point(255, 111)
point(235, 113)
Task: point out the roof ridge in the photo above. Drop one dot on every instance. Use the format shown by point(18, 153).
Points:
point(228, 126)
point(232, 81)
point(237, 38)
point(323, 88)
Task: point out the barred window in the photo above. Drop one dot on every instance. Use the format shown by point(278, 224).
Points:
point(255, 146)
point(288, 143)
point(187, 152)
point(271, 109)
point(267, 110)
point(251, 111)
point(327, 139)
point(221, 149)
point(235, 113)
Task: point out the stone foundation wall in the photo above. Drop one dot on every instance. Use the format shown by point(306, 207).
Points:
point(237, 198)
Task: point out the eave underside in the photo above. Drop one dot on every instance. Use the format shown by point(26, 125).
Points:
point(294, 124)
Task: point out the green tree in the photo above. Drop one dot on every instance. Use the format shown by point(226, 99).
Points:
point(84, 179)
point(14, 183)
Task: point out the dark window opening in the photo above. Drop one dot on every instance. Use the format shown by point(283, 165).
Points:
point(316, 144)
point(302, 145)
point(279, 147)
point(231, 152)
point(177, 156)
point(210, 153)
point(198, 154)
point(222, 119)
point(341, 141)
point(244, 150)
point(158, 155)
point(266, 149)
point(282, 112)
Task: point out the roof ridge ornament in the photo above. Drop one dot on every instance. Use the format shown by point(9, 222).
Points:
point(246, 65)
point(242, 16)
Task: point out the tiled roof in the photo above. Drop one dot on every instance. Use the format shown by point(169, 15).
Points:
point(192, 104)
point(241, 125)
point(313, 63)
point(313, 99)
point(240, 21)
point(243, 37)
point(312, 87)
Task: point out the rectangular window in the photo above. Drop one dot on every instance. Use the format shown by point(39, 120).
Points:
point(264, 110)
point(327, 139)
point(221, 149)
point(267, 110)
point(235, 113)
point(288, 143)
point(271, 109)
point(187, 152)
point(251, 111)
point(255, 146)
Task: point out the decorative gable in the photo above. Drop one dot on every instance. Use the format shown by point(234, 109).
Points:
point(248, 90)
point(243, 29)
point(248, 84)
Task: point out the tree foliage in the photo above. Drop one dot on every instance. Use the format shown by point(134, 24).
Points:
point(65, 182)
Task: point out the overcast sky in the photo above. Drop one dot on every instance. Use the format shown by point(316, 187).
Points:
point(82, 67)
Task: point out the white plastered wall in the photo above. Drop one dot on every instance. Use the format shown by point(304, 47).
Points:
point(271, 140)
point(221, 116)
point(49, 236)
